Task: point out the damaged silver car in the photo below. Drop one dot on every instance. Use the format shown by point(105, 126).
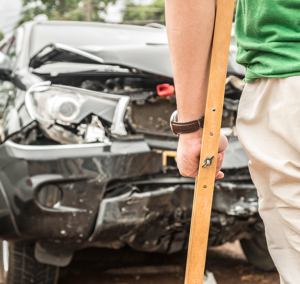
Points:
point(87, 154)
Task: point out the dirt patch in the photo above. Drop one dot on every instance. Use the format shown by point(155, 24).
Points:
point(227, 262)
point(229, 265)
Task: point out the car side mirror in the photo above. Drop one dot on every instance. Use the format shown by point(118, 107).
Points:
point(5, 67)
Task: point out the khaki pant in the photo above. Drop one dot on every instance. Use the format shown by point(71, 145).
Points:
point(268, 127)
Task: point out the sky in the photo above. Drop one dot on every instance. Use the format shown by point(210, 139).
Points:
point(10, 12)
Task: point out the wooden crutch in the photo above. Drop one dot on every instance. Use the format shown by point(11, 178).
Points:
point(204, 186)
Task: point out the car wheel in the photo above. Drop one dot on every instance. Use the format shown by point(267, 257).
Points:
point(257, 253)
point(18, 265)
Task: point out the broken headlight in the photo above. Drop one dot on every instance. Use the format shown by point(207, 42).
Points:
point(65, 109)
point(59, 108)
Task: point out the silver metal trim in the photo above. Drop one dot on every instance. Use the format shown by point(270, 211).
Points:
point(79, 52)
point(5, 260)
point(118, 125)
point(55, 147)
point(28, 102)
point(67, 48)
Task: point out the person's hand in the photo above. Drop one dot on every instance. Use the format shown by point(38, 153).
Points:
point(188, 154)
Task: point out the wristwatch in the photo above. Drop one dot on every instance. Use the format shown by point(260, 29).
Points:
point(185, 127)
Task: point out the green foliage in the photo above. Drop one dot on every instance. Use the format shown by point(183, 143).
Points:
point(70, 10)
point(1, 36)
point(154, 11)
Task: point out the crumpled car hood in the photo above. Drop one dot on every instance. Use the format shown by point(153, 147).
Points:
point(149, 57)
point(56, 52)
point(152, 58)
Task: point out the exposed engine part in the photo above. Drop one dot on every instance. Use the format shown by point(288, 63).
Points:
point(147, 113)
point(61, 134)
point(153, 116)
point(121, 84)
point(165, 90)
point(229, 115)
point(92, 85)
point(233, 88)
point(35, 134)
point(133, 83)
point(113, 84)
point(95, 132)
point(235, 82)
point(32, 135)
point(90, 131)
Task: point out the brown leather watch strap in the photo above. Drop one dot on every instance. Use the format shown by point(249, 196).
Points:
point(187, 127)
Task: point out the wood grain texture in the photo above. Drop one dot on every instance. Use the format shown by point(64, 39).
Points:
point(204, 186)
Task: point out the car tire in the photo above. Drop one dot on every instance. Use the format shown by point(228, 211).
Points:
point(18, 265)
point(257, 253)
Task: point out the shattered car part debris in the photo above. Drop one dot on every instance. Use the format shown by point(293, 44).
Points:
point(87, 157)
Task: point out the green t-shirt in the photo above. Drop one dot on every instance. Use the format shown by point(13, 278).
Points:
point(268, 37)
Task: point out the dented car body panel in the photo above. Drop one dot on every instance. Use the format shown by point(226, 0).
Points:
point(83, 140)
point(80, 172)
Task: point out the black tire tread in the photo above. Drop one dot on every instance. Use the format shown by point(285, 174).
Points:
point(257, 253)
point(25, 269)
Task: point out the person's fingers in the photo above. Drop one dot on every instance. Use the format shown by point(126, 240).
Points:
point(219, 175)
point(194, 175)
point(220, 159)
point(188, 163)
point(223, 142)
point(189, 167)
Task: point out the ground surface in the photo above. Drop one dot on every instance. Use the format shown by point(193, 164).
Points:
point(227, 263)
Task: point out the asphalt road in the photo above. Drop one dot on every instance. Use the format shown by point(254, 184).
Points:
point(227, 262)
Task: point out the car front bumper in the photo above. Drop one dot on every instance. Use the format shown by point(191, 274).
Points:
point(156, 207)
point(80, 171)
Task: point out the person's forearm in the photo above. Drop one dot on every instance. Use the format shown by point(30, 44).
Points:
point(190, 27)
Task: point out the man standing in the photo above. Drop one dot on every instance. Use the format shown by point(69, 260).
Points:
point(268, 124)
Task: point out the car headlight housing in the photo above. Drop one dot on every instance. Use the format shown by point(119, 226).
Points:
point(66, 109)
point(61, 105)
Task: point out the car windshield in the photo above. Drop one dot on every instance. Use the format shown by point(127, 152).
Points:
point(91, 36)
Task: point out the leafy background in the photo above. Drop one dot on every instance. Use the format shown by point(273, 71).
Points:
point(74, 10)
